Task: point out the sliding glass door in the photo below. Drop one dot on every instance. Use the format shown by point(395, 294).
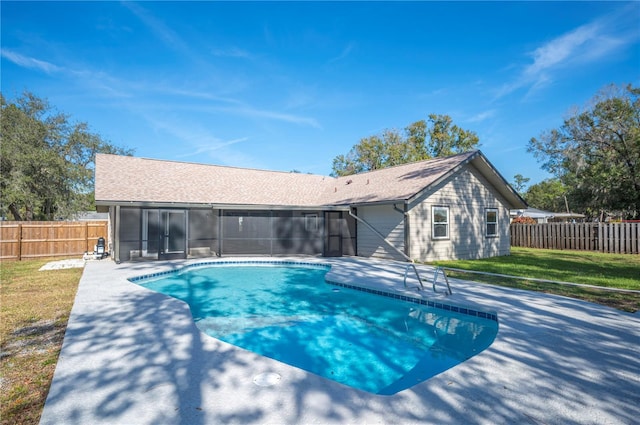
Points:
point(164, 234)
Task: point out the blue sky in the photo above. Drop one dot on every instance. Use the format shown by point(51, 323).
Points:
point(284, 86)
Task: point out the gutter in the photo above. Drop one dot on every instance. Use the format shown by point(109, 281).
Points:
point(252, 207)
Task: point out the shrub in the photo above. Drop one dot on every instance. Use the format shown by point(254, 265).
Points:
point(523, 220)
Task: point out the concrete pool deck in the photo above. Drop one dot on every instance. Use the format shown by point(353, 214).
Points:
point(133, 356)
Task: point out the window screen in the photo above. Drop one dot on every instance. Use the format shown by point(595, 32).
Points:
point(440, 222)
point(491, 220)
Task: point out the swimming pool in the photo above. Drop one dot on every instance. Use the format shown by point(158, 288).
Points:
point(288, 312)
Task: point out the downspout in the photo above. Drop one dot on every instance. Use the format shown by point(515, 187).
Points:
point(220, 227)
point(187, 233)
point(116, 239)
point(407, 239)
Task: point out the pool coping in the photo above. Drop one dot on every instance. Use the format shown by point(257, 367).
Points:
point(131, 356)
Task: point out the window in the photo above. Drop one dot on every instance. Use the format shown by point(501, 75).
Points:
point(311, 222)
point(440, 222)
point(491, 221)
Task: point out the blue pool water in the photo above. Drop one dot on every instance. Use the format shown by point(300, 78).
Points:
point(289, 313)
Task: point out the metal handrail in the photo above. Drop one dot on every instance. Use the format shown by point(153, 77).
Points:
point(405, 256)
point(435, 278)
point(446, 279)
point(406, 270)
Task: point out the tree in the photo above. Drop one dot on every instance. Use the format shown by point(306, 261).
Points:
point(547, 195)
point(596, 153)
point(46, 161)
point(446, 139)
point(435, 137)
point(519, 183)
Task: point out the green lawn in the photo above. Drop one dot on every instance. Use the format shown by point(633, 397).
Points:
point(33, 317)
point(585, 267)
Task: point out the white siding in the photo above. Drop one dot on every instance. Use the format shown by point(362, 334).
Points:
point(467, 194)
point(387, 221)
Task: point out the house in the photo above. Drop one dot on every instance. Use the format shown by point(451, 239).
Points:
point(91, 216)
point(445, 208)
point(542, 216)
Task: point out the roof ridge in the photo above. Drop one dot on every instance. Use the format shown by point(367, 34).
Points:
point(213, 165)
point(436, 159)
point(188, 182)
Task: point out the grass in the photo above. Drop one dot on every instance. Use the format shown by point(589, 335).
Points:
point(34, 311)
point(585, 267)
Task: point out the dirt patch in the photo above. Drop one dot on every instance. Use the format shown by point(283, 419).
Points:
point(39, 337)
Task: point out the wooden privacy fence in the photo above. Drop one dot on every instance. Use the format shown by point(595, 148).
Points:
point(34, 239)
point(618, 238)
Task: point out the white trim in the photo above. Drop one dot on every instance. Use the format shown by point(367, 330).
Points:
point(446, 223)
point(487, 222)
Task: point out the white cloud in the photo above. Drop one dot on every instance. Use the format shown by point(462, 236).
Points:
point(596, 41)
point(232, 52)
point(168, 36)
point(273, 115)
point(562, 48)
point(196, 140)
point(211, 146)
point(196, 95)
point(29, 62)
point(345, 53)
point(112, 87)
point(237, 107)
point(163, 32)
point(87, 78)
point(95, 80)
point(482, 116)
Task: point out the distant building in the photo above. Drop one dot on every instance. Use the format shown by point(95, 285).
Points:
point(542, 216)
point(91, 216)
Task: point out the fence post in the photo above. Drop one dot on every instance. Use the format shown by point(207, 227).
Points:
point(20, 242)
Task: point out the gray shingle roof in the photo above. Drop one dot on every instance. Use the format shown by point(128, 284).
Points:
point(122, 179)
point(394, 183)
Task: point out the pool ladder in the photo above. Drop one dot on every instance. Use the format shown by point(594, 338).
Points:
point(435, 278)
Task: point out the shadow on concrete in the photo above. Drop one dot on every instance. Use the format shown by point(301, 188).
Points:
point(131, 355)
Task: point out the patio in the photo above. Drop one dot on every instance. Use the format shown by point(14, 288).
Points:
point(132, 356)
